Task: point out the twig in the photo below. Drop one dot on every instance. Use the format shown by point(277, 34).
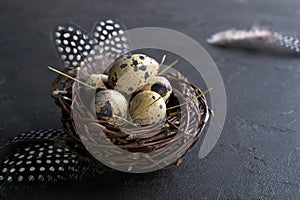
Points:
point(70, 77)
point(168, 67)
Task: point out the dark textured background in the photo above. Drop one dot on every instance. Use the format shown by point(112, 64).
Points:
point(257, 156)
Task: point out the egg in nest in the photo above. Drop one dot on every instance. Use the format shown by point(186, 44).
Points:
point(109, 104)
point(97, 80)
point(131, 72)
point(160, 85)
point(147, 107)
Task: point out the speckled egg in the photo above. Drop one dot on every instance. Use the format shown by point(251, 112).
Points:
point(147, 107)
point(131, 72)
point(110, 103)
point(160, 85)
point(97, 80)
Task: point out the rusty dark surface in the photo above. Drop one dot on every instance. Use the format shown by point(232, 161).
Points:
point(258, 153)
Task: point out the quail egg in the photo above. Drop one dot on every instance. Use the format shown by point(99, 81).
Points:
point(147, 107)
point(110, 103)
point(131, 72)
point(160, 85)
point(97, 80)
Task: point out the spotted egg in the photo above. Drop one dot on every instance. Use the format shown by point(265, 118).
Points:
point(129, 73)
point(160, 85)
point(109, 104)
point(97, 80)
point(147, 107)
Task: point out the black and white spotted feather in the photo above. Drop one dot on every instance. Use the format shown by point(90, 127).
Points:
point(256, 34)
point(49, 156)
point(78, 49)
point(288, 42)
point(45, 156)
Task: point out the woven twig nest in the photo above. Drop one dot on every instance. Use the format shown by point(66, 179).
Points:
point(170, 140)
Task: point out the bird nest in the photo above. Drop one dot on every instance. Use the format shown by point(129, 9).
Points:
point(162, 144)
